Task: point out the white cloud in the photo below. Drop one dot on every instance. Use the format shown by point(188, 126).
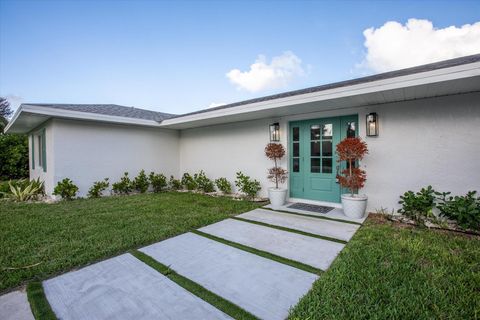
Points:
point(263, 75)
point(216, 104)
point(396, 46)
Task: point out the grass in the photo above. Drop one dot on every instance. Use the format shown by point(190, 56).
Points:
point(224, 305)
point(389, 271)
point(261, 253)
point(40, 240)
point(38, 302)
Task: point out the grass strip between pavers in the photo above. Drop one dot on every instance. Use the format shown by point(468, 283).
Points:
point(38, 302)
point(313, 216)
point(218, 302)
point(291, 230)
point(264, 254)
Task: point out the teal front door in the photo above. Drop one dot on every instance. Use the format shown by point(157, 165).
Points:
point(313, 162)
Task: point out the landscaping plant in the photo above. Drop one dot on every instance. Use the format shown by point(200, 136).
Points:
point(175, 184)
point(351, 150)
point(203, 183)
point(188, 182)
point(158, 181)
point(97, 189)
point(418, 205)
point(66, 189)
point(223, 185)
point(275, 152)
point(141, 183)
point(246, 185)
point(24, 190)
point(465, 210)
point(124, 186)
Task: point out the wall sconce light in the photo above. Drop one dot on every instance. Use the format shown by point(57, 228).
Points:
point(372, 124)
point(275, 132)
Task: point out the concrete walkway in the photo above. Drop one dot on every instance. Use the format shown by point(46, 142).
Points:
point(125, 288)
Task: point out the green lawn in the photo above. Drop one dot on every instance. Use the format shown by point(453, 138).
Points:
point(62, 236)
point(392, 272)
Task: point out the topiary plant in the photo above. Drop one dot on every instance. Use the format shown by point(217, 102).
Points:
point(66, 189)
point(351, 150)
point(275, 152)
point(223, 185)
point(158, 181)
point(98, 187)
point(246, 185)
point(141, 183)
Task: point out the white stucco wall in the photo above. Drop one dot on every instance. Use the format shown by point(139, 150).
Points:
point(90, 151)
point(38, 172)
point(429, 141)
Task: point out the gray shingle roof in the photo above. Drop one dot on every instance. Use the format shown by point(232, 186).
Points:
point(380, 76)
point(111, 110)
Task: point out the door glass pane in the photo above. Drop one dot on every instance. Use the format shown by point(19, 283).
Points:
point(315, 165)
point(315, 149)
point(327, 148)
point(296, 134)
point(326, 165)
point(327, 131)
point(350, 129)
point(315, 132)
point(296, 165)
point(296, 149)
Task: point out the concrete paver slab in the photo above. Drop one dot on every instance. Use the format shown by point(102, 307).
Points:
point(323, 227)
point(315, 252)
point(15, 306)
point(261, 286)
point(123, 288)
point(336, 213)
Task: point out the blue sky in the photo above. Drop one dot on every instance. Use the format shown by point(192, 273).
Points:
point(175, 56)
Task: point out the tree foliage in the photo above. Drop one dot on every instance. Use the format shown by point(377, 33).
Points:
point(352, 150)
point(275, 152)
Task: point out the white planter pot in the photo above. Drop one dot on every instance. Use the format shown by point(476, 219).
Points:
point(277, 197)
point(354, 207)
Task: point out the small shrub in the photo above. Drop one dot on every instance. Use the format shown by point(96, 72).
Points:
point(465, 210)
point(124, 186)
point(158, 181)
point(189, 182)
point(174, 184)
point(66, 189)
point(203, 183)
point(246, 185)
point(141, 183)
point(24, 190)
point(275, 152)
point(98, 188)
point(223, 185)
point(418, 205)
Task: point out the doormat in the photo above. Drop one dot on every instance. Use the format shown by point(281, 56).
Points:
point(310, 207)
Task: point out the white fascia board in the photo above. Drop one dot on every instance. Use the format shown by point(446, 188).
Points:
point(69, 114)
point(417, 79)
point(15, 116)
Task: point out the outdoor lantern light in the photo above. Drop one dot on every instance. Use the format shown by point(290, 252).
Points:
point(275, 132)
point(372, 124)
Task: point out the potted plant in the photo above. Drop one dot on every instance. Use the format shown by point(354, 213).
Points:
point(277, 195)
point(352, 178)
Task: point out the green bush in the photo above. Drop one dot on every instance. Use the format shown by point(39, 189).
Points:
point(158, 181)
point(188, 182)
point(418, 205)
point(97, 189)
point(124, 186)
point(246, 185)
point(465, 210)
point(141, 182)
point(223, 185)
point(66, 189)
point(13, 156)
point(175, 184)
point(203, 183)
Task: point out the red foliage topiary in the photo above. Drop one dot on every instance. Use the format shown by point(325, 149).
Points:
point(352, 150)
point(275, 152)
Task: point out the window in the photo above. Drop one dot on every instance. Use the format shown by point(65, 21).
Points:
point(40, 151)
point(296, 149)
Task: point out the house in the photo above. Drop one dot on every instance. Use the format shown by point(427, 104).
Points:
point(426, 119)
